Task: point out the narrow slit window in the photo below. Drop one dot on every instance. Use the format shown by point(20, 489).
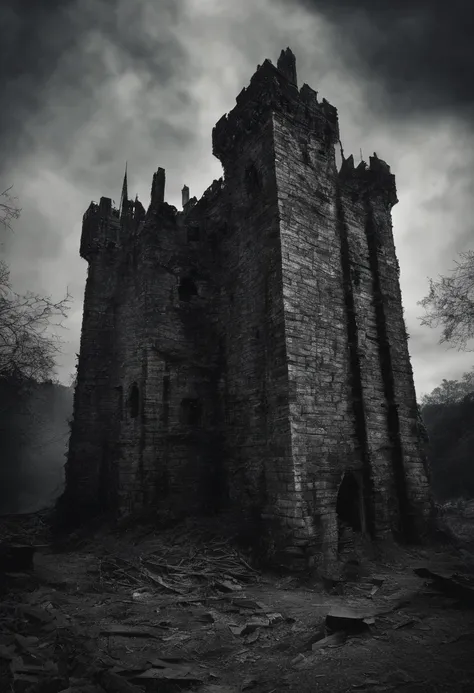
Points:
point(134, 401)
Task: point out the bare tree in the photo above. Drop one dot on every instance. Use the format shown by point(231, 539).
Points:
point(9, 209)
point(28, 347)
point(450, 303)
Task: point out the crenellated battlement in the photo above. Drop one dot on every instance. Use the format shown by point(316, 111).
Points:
point(272, 89)
point(375, 179)
point(100, 228)
point(103, 226)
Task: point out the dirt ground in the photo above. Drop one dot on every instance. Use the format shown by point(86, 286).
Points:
point(183, 610)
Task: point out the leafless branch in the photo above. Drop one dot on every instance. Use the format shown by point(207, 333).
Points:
point(9, 209)
point(28, 347)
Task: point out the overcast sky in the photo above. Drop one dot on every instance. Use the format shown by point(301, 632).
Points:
point(89, 84)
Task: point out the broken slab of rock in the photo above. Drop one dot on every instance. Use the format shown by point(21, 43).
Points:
point(168, 668)
point(349, 619)
point(184, 673)
point(334, 640)
point(244, 603)
point(274, 618)
point(253, 637)
point(450, 584)
point(227, 585)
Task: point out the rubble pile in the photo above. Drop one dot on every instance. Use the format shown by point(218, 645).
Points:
point(184, 610)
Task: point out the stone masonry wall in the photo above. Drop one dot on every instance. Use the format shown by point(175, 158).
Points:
point(371, 411)
point(411, 476)
point(258, 454)
point(89, 478)
point(249, 353)
point(322, 422)
point(167, 448)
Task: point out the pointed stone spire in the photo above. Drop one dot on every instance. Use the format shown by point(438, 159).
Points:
point(124, 195)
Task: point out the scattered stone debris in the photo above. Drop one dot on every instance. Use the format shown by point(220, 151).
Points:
point(93, 621)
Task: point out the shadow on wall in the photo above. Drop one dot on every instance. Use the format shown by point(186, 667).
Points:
point(34, 433)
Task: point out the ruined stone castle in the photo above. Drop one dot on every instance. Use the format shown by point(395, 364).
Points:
point(247, 355)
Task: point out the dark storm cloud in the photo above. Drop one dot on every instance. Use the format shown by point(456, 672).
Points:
point(55, 46)
point(421, 52)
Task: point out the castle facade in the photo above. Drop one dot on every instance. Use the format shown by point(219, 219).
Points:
point(247, 355)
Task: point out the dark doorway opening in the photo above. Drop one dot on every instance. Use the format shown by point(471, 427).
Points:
point(349, 505)
point(186, 289)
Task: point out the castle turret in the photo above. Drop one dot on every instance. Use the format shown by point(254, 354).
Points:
point(100, 229)
point(185, 196)
point(89, 472)
point(158, 188)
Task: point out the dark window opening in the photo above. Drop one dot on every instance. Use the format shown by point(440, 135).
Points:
point(190, 411)
point(193, 234)
point(166, 399)
point(186, 289)
point(257, 334)
point(166, 388)
point(134, 401)
point(252, 180)
point(111, 245)
point(348, 505)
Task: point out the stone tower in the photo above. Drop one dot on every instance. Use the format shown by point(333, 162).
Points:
point(248, 354)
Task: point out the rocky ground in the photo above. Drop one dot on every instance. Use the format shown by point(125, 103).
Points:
point(184, 610)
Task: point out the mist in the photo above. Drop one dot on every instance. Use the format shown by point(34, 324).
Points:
point(34, 432)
